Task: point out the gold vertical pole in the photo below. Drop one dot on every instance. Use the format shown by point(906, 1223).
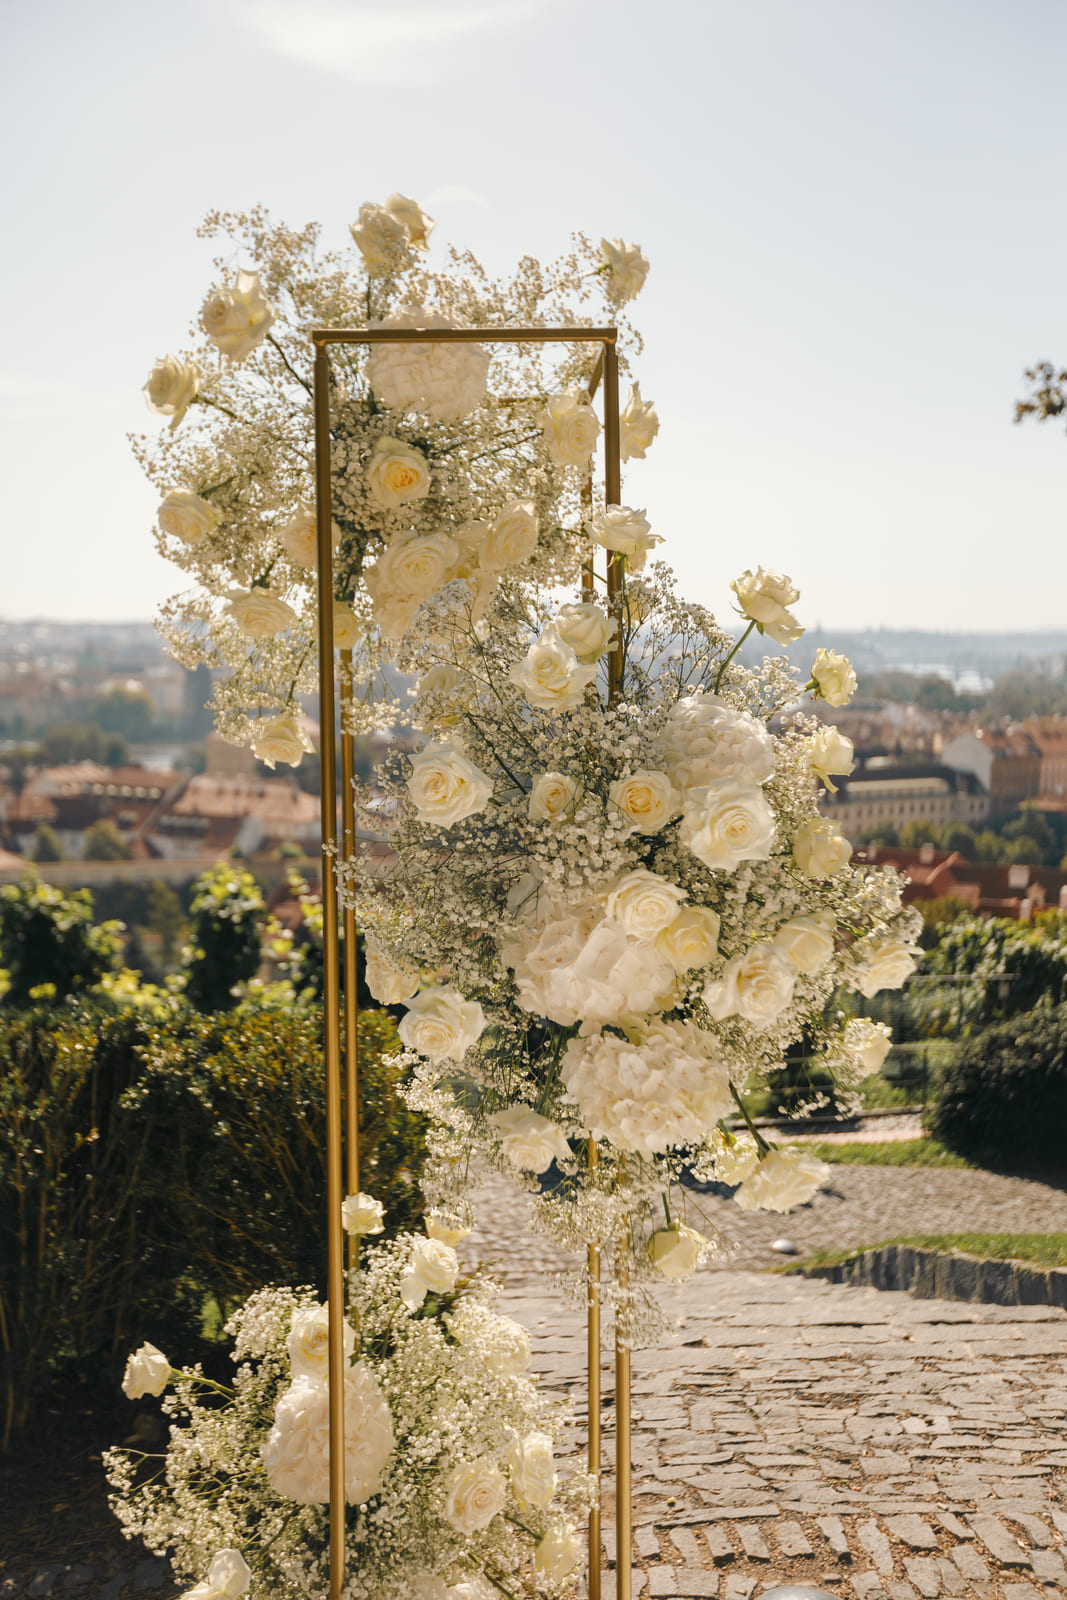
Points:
point(592, 1329)
point(348, 835)
point(335, 1273)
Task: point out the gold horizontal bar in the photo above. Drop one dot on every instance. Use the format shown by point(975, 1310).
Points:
point(323, 336)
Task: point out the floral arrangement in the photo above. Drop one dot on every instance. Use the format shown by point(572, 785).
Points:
point(451, 1487)
point(457, 468)
point(613, 903)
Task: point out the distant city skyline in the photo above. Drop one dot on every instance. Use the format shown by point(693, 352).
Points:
point(851, 214)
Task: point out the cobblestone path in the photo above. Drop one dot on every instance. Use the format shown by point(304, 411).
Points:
point(872, 1445)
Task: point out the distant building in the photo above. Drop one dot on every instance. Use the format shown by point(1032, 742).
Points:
point(1006, 762)
point(988, 888)
point(884, 792)
point(1049, 734)
point(226, 812)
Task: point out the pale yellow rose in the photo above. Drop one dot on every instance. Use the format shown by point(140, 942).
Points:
point(644, 903)
point(345, 626)
point(171, 388)
point(236, 319)
point(299, 537)
point(186, 516)
point(647, 799)
point(551, 797)
point(260, 615)
point(691, 940)
point(831, 751)
point(587, 628)
point(397, 473)
point(763, 596)
point(571, 428)
point(411, 217)
point(820, 849)
point(512, 538)
point(625, 268)
point(807, 942)
point(832, 678)
point(281, 739)
point(639, 425)
point(675, 1251)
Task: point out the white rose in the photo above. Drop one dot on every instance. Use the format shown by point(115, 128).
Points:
point(361, 1213)
point(382, 239)
point(441, 1025)
point(476, 1493)
point(626, 269)
point(551, 797)
point(831, 752)
point(397, 473)
point(407, 573)
point(533, 1472)
point(260, 615)
point(345, 626)
point(644, 903)
point(171, 388)
point(228, 1577)
point(443, 678)
point(390, 984)
point(736, 1155)
point(586, 628)
point(186, 517)
point(281, 739)
point(443, 1229)
point(433, 1269)
point(675, 1251)
point(807, 942)
point(476, 1589)
point(412, 218)
point(236, 319)
point(558, 1553)
point(727, 822)
point(705, 739)
point(639, 425)
point(763, 597)
point(691, 940)
point(571, 428)
point(647, 799)
point(147, 1372)
point(867, 1044)
point(883, 962)
point(757, 986)
point(296, 1452)
point(783, 1179)
point(832, 678)
point(820, 849)
point(511, 538)
point(300, 540)
point(627, 532)
point(309, 1343)
point(529, 1141)
point(550, 675)
point(446, 787)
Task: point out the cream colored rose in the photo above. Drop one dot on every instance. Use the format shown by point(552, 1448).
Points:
point(831, 752)
point(511, 538)
point(550, 675)
point(675, 1251)
point(820, 849)
point(228, 1577)
point(558, 1553)
point(533, 1471)
point(433, 1269)
point(757, 986)
point(867, 1044)
point(446, 787)
point(644, 903)
point(361, 1213)
point(300, 540)
point(476, 1494)
point(281, 739)
point(185, 516)
point(442, 1228)
point(570, 427)
point(763, 596)
point(832, 678)
point(444, 678)
point(883, 962)
point(397, 473)
point(736, 1155)
point(783, 1179)
point(551, 797)
point(147, 1372)
point(412, 218)
point(691, 940)
point(586, 628)
point(639, 425)
point(625, 268)
point(647, 799)
point(529, 1140)
point(441, 1025)
point(236, 319)
point(807, 942)
point(627, 532)
point(382, 239)
point(260, 615)
point(309, 1343)
point(345, 627)
point(727, 822)
point(171, 388)
point(391, 985)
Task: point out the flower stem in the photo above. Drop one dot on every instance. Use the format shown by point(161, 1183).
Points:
point(761, 1142)
point(730, 657)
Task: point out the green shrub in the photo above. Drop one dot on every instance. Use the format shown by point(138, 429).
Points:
point(981, 972)
point(1001, 1099)
point(227, 919)
point(48, 940)
point(147, 1165)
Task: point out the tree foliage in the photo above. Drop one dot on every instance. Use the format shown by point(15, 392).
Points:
point(228, 919)
point(48, 941)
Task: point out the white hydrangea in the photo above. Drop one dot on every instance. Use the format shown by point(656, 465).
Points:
point(662, 1087)
point(296, 1452)
point(445, 381)
point(705, 739)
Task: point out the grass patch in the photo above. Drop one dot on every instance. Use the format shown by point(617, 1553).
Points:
point(1042, 1250)
point(893, 1153)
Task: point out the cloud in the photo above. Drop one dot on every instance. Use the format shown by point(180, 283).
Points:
point(387, 42)
point(451, 195)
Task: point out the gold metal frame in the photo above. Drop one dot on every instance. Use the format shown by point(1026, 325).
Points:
point(342, 1109)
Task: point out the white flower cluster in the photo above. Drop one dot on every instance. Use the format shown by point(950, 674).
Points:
point(450, 1473)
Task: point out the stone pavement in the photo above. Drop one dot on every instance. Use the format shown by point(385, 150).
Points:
point(876, 1446)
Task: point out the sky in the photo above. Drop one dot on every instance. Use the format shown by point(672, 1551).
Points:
point(853, 212)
